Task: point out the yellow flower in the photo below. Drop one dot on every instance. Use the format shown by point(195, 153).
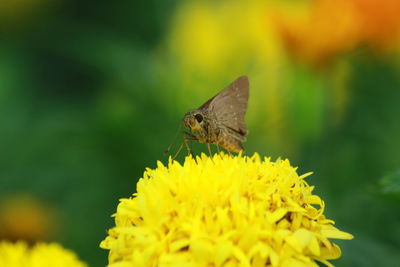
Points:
point(222, 211)
point(210, 43)
point(41, 255)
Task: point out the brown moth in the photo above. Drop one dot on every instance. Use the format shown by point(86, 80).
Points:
point(220, 120)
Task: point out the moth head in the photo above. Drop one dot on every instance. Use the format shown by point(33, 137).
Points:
point(193, 120)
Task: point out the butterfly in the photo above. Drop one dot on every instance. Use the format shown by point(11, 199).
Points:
point(220, 120)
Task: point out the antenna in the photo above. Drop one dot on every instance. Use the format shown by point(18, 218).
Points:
point(166, 151)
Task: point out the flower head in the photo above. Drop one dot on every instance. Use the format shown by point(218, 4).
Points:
point(222, 211)
point(43, 255)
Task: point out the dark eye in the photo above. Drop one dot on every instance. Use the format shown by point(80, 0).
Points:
point(199, 117)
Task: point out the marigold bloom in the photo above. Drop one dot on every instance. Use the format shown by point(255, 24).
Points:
point(224, 211)
point(44, 255)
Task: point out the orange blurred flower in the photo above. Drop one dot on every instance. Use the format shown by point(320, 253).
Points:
point(326, 28)
point(380, 21)
point(23, 217)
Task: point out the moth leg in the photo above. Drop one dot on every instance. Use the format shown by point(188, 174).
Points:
point(188, 147)
point(190, 137)
point(209, 149)
point(189, 150)
point(179, 149)
point(219, 151)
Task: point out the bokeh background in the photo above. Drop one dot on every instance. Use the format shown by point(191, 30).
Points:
point(92, 92)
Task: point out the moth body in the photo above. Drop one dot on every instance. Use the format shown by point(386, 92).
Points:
point(220, 120)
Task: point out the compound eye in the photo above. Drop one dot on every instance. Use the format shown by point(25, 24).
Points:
point(199, 117)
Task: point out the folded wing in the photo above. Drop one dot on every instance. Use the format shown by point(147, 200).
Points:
point(230, 106)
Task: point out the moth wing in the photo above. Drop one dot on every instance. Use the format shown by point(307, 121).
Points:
point(230, 105)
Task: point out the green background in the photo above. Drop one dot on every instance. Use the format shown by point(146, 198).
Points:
point(87, 103)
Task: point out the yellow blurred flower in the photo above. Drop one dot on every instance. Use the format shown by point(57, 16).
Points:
point(44, 255)
point(224, 211)
point(212, 36)
point(210, 43)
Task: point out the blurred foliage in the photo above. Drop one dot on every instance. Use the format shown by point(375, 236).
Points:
point(91, 93)
point(390, 184)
